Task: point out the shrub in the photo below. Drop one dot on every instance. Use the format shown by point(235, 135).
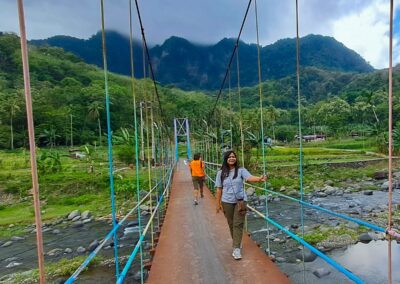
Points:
point(126, 154)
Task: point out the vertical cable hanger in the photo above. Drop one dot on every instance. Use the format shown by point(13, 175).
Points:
point(109, 138)
point(240, 106)
point(390, 149)
point(262, 123)
point(300, 131)
point(137, 164)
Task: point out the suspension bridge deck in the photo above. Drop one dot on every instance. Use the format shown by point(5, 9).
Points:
point(195, 244)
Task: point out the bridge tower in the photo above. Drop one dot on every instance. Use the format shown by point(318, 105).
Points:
point(181, 129)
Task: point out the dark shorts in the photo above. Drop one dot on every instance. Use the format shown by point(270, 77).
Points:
point(198, 182)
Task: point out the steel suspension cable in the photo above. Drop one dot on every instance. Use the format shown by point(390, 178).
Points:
point(230, 61)
point(32, 144)
point(390, 142)
point(262, 122)
point(300, 132)
point(109, 138)
point(149, 60)
point(137, 164)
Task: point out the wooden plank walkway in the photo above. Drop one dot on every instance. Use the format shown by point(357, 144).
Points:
point(195, 244)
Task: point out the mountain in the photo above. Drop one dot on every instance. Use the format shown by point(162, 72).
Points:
point(91, 52)
point(192, 66)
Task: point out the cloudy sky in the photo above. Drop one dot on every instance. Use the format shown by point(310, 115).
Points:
point(362, 25)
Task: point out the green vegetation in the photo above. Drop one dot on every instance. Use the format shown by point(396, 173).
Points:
point(64, 267)
point(319, 235)
point(74, 184)
point(69, 110)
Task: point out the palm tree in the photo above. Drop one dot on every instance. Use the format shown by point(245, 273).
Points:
point(11, 106)
point(50, 136)
point(94, 110)
point(14, 108)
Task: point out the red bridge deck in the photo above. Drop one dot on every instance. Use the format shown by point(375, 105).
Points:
point(195, 244)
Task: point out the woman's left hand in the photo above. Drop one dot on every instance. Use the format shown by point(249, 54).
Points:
point(262, 178)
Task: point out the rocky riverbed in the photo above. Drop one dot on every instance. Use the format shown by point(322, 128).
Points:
point(79, 233)
point(74, 235)
point(362, 251)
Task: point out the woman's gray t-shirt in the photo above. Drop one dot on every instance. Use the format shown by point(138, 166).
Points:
point(233, 189)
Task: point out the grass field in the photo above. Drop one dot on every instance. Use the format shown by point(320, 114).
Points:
point(84, 183)
point(76, 184)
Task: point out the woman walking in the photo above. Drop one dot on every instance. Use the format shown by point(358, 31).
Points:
point(231, 197)
point(197, 170)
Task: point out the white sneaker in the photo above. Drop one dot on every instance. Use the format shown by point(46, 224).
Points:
point(195, 202)
point(236, 254)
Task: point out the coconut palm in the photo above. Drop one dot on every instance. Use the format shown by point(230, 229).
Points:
point(11, 105)
point(94, 110)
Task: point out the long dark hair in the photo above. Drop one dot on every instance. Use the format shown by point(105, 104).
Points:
point(225, 167)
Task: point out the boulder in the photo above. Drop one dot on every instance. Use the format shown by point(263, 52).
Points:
point(380, 175)
point(93, 245)
point(86, 215)
point(77, 224)
point(250, 191)
point(7, 244)
point(321, 272)
point(368, 192)
point(68, 250)
point(55, 252)
point(80, 250)
point(16, 239)
point(73, 214)
point(309, 256)
point(365, 238)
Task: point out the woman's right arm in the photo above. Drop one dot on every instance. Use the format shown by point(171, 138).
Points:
point(218, 195)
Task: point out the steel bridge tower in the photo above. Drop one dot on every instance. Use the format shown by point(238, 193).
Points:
point(181, 129)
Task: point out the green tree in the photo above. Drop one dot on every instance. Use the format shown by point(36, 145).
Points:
point(49, 136)
point(94, 111)
point(335, 113)
point(10, 106)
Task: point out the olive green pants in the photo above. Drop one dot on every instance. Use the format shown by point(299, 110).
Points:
point(235, 222)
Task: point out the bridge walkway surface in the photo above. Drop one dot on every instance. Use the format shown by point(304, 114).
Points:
point(195, 244)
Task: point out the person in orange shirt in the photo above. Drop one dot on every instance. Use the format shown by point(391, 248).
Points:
point(198, 175)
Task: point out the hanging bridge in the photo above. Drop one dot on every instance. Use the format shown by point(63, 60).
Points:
point(189, 244)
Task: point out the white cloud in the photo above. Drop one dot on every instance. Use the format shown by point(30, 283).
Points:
point(367, 32)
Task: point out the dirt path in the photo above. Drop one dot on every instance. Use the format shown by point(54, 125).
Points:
point(195, 244)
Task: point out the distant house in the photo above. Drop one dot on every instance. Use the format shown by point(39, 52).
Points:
point(354, 134)
point(76, 154)
point(312, 138)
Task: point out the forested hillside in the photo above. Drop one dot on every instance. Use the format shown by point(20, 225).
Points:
point(191, 66)
point(65, 90)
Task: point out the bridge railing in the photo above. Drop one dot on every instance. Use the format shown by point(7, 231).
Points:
point(142, 236)
point(330, 261)
point(87, 261)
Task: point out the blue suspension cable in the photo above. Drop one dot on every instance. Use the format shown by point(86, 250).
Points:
point(86, 262)
point(311, 248)
point(109, 138)
point(358, 221)
point(134, 252)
